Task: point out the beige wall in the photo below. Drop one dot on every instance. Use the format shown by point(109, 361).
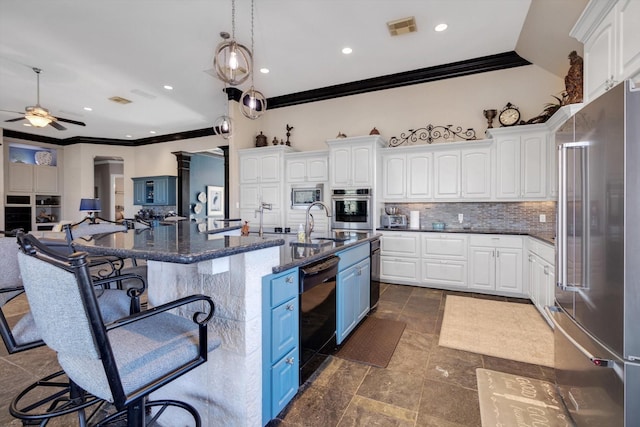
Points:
point(458, 101)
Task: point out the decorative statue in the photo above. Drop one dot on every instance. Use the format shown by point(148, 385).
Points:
point(573, 80)
point(289, 129)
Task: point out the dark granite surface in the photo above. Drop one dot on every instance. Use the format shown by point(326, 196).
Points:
point(546, 239)
point(180, 242)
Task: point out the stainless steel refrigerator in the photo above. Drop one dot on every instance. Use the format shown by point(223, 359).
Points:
point(597, 308)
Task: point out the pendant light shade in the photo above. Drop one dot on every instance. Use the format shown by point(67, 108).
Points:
point(253, 104)
point(232, 62)
point(223, 126)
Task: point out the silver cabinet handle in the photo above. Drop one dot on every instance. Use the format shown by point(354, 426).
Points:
point(289, 279)
point(546, 270)
point(497, 253)
point(290, 307)
point(289, 360)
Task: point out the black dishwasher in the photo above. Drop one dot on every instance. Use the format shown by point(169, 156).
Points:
point(317, 314)
point(375, 274)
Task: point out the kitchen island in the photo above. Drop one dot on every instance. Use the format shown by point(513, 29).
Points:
point(181, 260)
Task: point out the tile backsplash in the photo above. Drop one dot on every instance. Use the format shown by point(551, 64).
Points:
point(513, 216)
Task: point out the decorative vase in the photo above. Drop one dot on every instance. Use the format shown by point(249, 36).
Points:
point(261, 140)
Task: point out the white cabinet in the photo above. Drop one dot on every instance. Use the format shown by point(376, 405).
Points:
point(610, 31)
point(352, 161)
point(400, 257)
point(27, 178)
point(521, 158)
point(447, 174)
point(476, 173)
point(541, 262)
point(444, 260)
point(262, 180)
point(307, 167)
point(495, 264)
point(407, 174)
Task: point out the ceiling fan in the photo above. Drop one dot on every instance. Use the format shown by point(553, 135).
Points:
point(39, 116)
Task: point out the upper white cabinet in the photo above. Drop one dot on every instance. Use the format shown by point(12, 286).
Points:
point(26, 178)
point(476, 173)
point(521, 158)
point(264, 164)
point(610, 31)
point(447, 174)
point(407, 173)
point(307, 166)
point(352, 161)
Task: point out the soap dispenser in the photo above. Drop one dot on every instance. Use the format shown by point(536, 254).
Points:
point(301, 235)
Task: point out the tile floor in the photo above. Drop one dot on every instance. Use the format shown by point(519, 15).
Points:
point(424, 384)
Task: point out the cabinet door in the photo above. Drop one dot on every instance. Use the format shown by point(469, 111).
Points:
point(482, 268)
point(340, 167)
point(270, 168)
point(160, 191)
point(393, 177)
point(21, 177)
point(509, 270)
point(476, 173)
point(284, 328)
point(296, 170)
point(249, 196)
point(364, 289)
point(139, 192)
point(629, 38)
point(271, 193)
point(399, 270)
point(447, 175)
point(419, 176)
point(46, 179)
point(534, 157)
point(284, 381)
point(317, 169)
point(362, 166)
point(249, 169)
point(347, 300)
point(508, 167)
point(600, 58)
point(450, 273)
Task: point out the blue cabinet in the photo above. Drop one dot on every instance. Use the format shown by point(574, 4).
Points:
point(154, 190)
point(280, 335)
point(352, 289)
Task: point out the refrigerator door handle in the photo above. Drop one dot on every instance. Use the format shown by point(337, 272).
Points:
point(597, 361)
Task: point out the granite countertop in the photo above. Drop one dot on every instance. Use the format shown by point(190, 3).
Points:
point(292, 256)
point(180, 242)
point(544, 238)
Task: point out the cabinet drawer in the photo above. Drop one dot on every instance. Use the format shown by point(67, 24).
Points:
point(543, 250)
point(397, 244)
point(284, 287)
point(353, 255)
point(444, 246)
point(284, 328)
point(403, 269)
point(444, 272)
point(496, 241)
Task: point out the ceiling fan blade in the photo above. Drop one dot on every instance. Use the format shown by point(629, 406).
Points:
point(57, 125)
point(11, 111)
point(15, 120)
point(73, 122)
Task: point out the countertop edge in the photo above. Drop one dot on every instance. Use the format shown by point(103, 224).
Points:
point(544, 239)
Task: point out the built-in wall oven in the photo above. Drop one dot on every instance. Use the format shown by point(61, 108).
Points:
point(317, 314)
point(352, 209)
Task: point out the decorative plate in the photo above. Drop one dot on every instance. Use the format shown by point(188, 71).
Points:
point(197, 208)
point(43, 158)
point(202, 197)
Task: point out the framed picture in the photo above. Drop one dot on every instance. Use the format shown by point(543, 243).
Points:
point(215, 200)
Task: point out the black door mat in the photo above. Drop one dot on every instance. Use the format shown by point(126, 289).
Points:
point(374, 342)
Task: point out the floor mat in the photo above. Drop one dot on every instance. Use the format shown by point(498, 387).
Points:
point(507, 330)
point(512, 400)
point(373, 342)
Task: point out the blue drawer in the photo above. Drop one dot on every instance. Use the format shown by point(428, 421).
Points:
point(353, 255)
point(284, 287)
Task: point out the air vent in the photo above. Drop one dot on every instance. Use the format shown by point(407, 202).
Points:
point(120, 100)
point(402, 26)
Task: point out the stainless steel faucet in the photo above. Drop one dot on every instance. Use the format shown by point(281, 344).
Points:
point(308, 228)
point(260, 210)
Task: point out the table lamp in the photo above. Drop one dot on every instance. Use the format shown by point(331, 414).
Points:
point(91, 206)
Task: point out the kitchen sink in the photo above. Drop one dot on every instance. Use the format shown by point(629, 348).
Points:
point(313, 243)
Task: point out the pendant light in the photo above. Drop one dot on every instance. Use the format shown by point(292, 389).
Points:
point(223, 125)
point(233, 61)
point(253, 104)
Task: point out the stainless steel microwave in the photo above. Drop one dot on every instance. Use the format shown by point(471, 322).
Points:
point(303, 196)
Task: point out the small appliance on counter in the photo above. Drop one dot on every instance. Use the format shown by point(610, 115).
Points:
point(393, 221)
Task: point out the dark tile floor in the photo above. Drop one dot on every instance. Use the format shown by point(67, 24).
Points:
point(424, 384)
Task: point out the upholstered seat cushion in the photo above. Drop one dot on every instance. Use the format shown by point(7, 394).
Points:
point(144, 351)
point(10, 276)
point(114, 304)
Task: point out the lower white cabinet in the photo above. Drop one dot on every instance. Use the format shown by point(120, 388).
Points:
point(542, 275)
point(400, 257)
point(495, 264)
point(444, 259)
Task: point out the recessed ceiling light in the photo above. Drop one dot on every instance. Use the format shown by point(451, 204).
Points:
point(88, 109)
point(152, 132)
point(26, 124)
point(167, 87)
point(128, 136)
point(347, 50)
point(264, 70)
point(440, 27)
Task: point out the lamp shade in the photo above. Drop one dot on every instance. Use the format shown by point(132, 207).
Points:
point(90, 205)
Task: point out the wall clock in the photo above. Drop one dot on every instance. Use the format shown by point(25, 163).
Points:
point(509, 115)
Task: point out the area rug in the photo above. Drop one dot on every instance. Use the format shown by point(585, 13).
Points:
point(507, 330)
point(374, 342)
point(511, 400)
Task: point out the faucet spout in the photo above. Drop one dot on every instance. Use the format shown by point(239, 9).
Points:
point(308, 228)
point(260, 210)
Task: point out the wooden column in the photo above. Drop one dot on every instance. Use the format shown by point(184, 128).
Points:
point(184, 182)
